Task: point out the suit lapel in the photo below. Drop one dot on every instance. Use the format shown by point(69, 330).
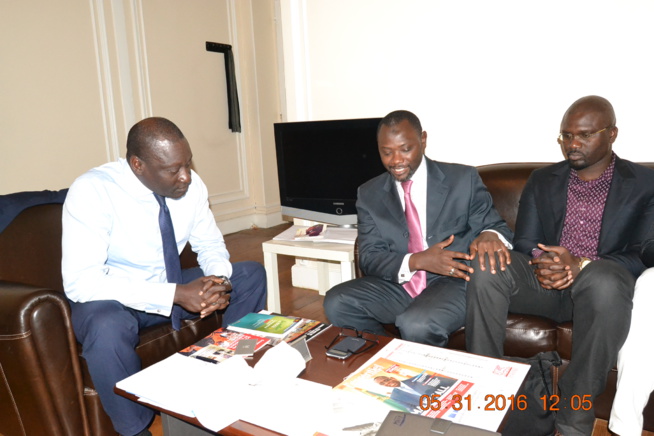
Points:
point(391, 202)
point(556, 199)
point(437, 191)
point(620, 195)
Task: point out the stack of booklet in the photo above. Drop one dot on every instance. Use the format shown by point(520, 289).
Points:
point(250, 334)
point(263, 324)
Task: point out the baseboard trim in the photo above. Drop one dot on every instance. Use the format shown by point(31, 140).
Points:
point(249, 221)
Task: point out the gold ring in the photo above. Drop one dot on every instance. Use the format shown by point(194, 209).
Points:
point(499, 250)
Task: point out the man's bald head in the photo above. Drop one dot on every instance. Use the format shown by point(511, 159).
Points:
point(592, 103)
point(145, 135)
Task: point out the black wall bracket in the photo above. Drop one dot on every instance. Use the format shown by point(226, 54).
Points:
point(230, 75)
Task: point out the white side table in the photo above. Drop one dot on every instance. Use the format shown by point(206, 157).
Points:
point(343, 253)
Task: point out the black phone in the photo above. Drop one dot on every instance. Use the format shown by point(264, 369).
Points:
point(346, 347)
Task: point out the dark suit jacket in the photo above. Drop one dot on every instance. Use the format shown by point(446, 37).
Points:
point(13, 204)
point(457, 204)
point(628, 214)
point(647, 250)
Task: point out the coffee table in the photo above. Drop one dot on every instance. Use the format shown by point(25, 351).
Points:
point(320, 369)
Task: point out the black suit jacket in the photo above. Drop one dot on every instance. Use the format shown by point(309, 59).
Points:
point(458, 204)
point(628, 214)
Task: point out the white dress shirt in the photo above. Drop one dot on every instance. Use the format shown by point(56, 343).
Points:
point(419, 199)
point(111, 243)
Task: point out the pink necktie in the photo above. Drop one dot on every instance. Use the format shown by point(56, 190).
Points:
point(419, 280)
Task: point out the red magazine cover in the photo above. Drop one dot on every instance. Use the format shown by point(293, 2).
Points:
point(220, 345)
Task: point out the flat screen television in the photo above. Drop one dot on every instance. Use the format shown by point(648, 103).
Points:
point(320, 165)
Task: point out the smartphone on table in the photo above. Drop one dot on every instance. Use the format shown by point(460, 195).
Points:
point(346, 347)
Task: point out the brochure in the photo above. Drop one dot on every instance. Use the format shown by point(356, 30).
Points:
point(439, 383)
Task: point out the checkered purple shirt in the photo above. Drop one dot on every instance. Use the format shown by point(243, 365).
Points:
point(583, 218)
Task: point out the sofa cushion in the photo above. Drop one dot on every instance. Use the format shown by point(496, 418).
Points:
point(505, 182)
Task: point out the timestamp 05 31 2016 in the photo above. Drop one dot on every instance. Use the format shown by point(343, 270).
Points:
point(501, 402)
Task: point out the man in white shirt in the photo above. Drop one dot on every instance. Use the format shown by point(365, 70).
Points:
point(113, 263)
point(457, 221)
point(635, 376)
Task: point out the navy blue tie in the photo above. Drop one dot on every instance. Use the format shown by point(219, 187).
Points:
point(171, 255)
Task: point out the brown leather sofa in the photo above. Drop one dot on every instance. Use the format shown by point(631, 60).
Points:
point(45, 387)
point(528, 335)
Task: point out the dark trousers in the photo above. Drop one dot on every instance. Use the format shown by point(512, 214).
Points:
point(109, 334)
point(369, 302)
point(599, 303)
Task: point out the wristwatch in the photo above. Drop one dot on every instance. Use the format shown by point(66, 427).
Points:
point(226, 281)
point(583, 261)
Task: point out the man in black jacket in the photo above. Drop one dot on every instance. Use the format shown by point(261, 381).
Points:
point(577, 245)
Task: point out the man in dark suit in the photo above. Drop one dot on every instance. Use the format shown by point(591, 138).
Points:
point(416, 224)
point(579, 227)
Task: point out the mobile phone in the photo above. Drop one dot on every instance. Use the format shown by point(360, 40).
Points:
point(245, 347)
point(346, 347)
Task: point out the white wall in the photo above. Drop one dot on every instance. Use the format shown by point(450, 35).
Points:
point(490, 80)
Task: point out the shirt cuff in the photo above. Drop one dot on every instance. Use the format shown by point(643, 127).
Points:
point(163, 304)
point(405, 273)
point(536, 252)
point(506, 243)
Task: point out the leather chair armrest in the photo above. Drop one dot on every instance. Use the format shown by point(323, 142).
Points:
point(40, 378)
point(528, 335)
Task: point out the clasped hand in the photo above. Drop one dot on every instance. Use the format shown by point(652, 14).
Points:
point(204, 295)
point(556, 268)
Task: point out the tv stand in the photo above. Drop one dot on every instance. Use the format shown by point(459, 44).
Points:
point(343, 253)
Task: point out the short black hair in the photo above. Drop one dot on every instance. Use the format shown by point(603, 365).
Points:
point(143, 135)
point(396, 117)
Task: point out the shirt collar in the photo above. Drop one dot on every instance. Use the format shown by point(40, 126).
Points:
point(133, 185)
point(606, 175)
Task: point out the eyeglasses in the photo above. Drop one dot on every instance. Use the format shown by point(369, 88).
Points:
point(567, 138)
point(347, 331)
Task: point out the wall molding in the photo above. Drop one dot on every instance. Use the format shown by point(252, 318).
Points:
point(241, 136)
point(105, 82)
point(295, 65)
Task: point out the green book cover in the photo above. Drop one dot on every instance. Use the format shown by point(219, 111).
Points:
point(275, 326)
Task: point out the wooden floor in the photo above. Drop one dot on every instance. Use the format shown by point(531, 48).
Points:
point(246, 245)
